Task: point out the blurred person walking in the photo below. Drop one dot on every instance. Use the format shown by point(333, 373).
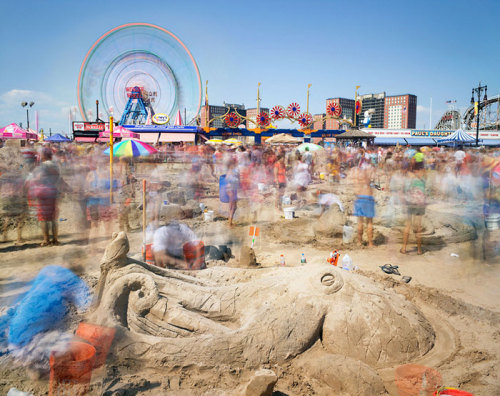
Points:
point(415, 198)
point(48, 185)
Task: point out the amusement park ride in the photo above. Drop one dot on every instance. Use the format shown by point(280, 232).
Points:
point(157, 70)
point(292, 113)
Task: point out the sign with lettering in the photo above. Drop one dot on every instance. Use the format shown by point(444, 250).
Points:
point(160, 119)
point(84, 126)
point(430, 133)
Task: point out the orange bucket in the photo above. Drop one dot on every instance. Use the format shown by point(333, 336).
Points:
point(71, 370)
point(415, 380)
point(149, 254)
point(194, 254)
point(100, 337)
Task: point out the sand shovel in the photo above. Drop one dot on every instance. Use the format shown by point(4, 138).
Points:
point(393, 270)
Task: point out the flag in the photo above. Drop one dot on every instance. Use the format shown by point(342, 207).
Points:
point(476, 107)
point(358, 106)
point(451, 101)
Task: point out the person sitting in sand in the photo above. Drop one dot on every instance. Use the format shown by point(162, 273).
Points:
point(168, 245)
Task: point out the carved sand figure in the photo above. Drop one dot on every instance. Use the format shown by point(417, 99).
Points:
point(246, 318)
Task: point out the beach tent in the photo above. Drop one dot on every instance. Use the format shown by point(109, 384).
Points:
point(457, 137)
point(57, 138)
point(283, 138)
point(14, 131)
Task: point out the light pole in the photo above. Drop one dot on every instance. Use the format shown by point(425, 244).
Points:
point(477, 108)
point(27, 105)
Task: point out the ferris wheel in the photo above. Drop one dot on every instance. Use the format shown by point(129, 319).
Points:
point(144, 56)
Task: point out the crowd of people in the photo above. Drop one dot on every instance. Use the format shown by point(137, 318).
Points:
point(411, 177)
point(34, 180)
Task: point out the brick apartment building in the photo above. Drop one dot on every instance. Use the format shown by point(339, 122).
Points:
point(400, 112)
point(318, 121)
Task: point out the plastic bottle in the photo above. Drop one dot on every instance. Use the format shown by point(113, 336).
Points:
point(347, 263)
point(282, 260)
point(303, 259)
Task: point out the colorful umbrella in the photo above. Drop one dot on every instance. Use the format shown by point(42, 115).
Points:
point(131, 148)
point(310, 146)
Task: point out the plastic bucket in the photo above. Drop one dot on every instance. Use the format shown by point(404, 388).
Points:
point(149, 254)
point(322, 176)
point(348, 234)
point(289, 213)
point(194, 254)
point(415, 380)
point(492, 221)
point(100, 337)
point(208, 215)
point(71, 370)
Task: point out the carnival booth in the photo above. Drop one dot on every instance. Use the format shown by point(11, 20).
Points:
point(14, 131)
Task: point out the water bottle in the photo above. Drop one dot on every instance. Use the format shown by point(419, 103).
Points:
point(347, 262)
point(303, 259)
point(282, 260)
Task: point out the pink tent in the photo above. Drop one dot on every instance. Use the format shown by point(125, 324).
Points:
point(14, 131)
point(118, 132)
point(178, 119)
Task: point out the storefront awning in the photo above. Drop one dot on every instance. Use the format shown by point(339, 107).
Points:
point(167, 137)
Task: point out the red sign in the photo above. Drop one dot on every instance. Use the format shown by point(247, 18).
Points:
point(83, 126)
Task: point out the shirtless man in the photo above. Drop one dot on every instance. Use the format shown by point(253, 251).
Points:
point(364, 206)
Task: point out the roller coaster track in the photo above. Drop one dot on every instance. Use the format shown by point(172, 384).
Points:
point(489, 116)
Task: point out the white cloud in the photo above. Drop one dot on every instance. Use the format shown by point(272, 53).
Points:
point(53, 113)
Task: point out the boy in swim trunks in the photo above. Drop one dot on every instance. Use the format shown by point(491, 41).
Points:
point(364, 206)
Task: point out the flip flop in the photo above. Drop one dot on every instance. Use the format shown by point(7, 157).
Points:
point(390, 269)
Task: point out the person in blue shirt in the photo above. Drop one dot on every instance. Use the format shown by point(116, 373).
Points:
point(38, 323)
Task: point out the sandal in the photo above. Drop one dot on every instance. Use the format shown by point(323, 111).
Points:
point(390, 269)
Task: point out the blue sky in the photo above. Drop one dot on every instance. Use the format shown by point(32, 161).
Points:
point(435, 48)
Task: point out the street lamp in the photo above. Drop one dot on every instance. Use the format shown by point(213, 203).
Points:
point(477, 108)
point(27, 105)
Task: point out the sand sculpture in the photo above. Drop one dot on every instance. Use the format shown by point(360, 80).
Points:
point(250, 317)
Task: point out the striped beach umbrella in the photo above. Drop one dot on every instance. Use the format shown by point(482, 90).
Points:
point(131, 148)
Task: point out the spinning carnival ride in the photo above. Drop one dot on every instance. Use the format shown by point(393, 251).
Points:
point(135, 70)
